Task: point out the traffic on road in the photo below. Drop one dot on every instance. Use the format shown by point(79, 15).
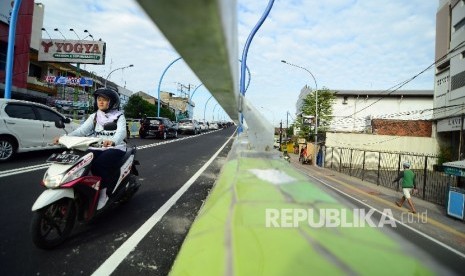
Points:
point(165, 168)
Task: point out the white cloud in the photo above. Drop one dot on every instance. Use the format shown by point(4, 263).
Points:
point(346, 44)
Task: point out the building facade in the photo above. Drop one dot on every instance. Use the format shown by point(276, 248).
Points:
point(58, 84)
point(354, 110)
point(449, 86)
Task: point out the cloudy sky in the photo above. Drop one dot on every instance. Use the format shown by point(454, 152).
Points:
point(346, 44)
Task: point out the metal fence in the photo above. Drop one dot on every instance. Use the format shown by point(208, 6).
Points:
point(381, 168)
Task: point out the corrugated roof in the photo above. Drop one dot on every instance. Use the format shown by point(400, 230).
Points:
point(405, 93)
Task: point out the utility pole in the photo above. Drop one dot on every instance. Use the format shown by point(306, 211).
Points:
point(287, 123)
point(461, 138)
point(280, 134)
point(185, 95)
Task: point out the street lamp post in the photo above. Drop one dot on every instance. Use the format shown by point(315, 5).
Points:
point(57, 30)
point(192, 95)
point(213, 112)
point(316, 107)
point(205, 108)
point(78, 75)
point(121, 68)
point(159, 84)
point(89, 35)
point(43, 29)
point(11, 49)
point(72, 30)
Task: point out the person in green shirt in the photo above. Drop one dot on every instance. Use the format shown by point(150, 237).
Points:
point(408, 186)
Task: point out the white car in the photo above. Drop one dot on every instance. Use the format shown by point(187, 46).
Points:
point(213, 126)
point(203, 126)
point(189, 125)
point(28, 126)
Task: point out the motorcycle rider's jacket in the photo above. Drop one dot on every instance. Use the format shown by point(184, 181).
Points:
point(93, 127)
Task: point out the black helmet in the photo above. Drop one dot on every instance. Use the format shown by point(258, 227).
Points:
point(107, 93)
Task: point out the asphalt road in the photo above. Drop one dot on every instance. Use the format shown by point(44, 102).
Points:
point(164, 169)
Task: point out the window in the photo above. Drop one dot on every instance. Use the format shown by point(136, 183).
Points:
point(166, 122)
point(47, 115)
point(346, 99)
point(35, 71)
point(3, 51)
point(459, 25)
point(20, 111)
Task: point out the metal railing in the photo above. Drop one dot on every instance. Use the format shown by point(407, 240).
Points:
point(381, 168)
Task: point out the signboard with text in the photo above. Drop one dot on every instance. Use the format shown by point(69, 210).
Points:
point(307, 120)
point(70, 81)
point(449, 124)
point(72, 51)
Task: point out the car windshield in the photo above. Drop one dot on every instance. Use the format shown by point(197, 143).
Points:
point(155, 121)
point(186, 121)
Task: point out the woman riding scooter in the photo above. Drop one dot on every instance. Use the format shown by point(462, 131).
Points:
point(106, 102)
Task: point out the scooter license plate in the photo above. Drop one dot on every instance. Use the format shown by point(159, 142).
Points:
point(63, 158)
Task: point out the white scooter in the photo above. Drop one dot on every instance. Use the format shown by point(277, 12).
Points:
point(72, 192)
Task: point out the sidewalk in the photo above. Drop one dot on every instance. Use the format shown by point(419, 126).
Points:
point(431, 219)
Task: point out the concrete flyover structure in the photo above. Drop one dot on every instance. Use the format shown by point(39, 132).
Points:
point(230, 235)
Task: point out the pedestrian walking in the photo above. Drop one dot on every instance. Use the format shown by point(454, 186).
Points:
point(408, 186)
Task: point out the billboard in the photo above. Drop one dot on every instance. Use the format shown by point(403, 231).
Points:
point(70, 81)
point(72, 51)
point(307, 120)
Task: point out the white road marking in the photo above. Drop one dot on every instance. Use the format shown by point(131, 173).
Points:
point(130, 244)
point(23, 170)
point(46, 165)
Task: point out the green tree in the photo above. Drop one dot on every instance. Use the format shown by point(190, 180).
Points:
point(138, 107)
point(326, 99)
point(166, 112)
point(290, 130)
point(183, 115)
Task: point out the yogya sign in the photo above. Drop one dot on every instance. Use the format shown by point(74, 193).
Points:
point(72, 51)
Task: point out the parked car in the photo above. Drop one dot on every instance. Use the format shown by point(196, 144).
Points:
point(203, 126)
point(276, 143)
point(28, 126)
point(214, 126)
point(159, 127)
point(188, 125)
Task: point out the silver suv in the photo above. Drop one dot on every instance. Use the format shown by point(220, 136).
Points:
point(28, 126)
point(189, 125)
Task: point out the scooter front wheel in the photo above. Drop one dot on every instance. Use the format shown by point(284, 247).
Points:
point(52, 224)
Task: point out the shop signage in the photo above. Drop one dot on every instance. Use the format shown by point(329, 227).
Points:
point(70, 81)
point(454, 171)
point(449, 124)
point(72, 51)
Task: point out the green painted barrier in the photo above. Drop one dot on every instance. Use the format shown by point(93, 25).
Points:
point(231, 237)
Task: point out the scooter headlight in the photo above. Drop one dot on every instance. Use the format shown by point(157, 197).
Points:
point(59, 179)
point(52, 181)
